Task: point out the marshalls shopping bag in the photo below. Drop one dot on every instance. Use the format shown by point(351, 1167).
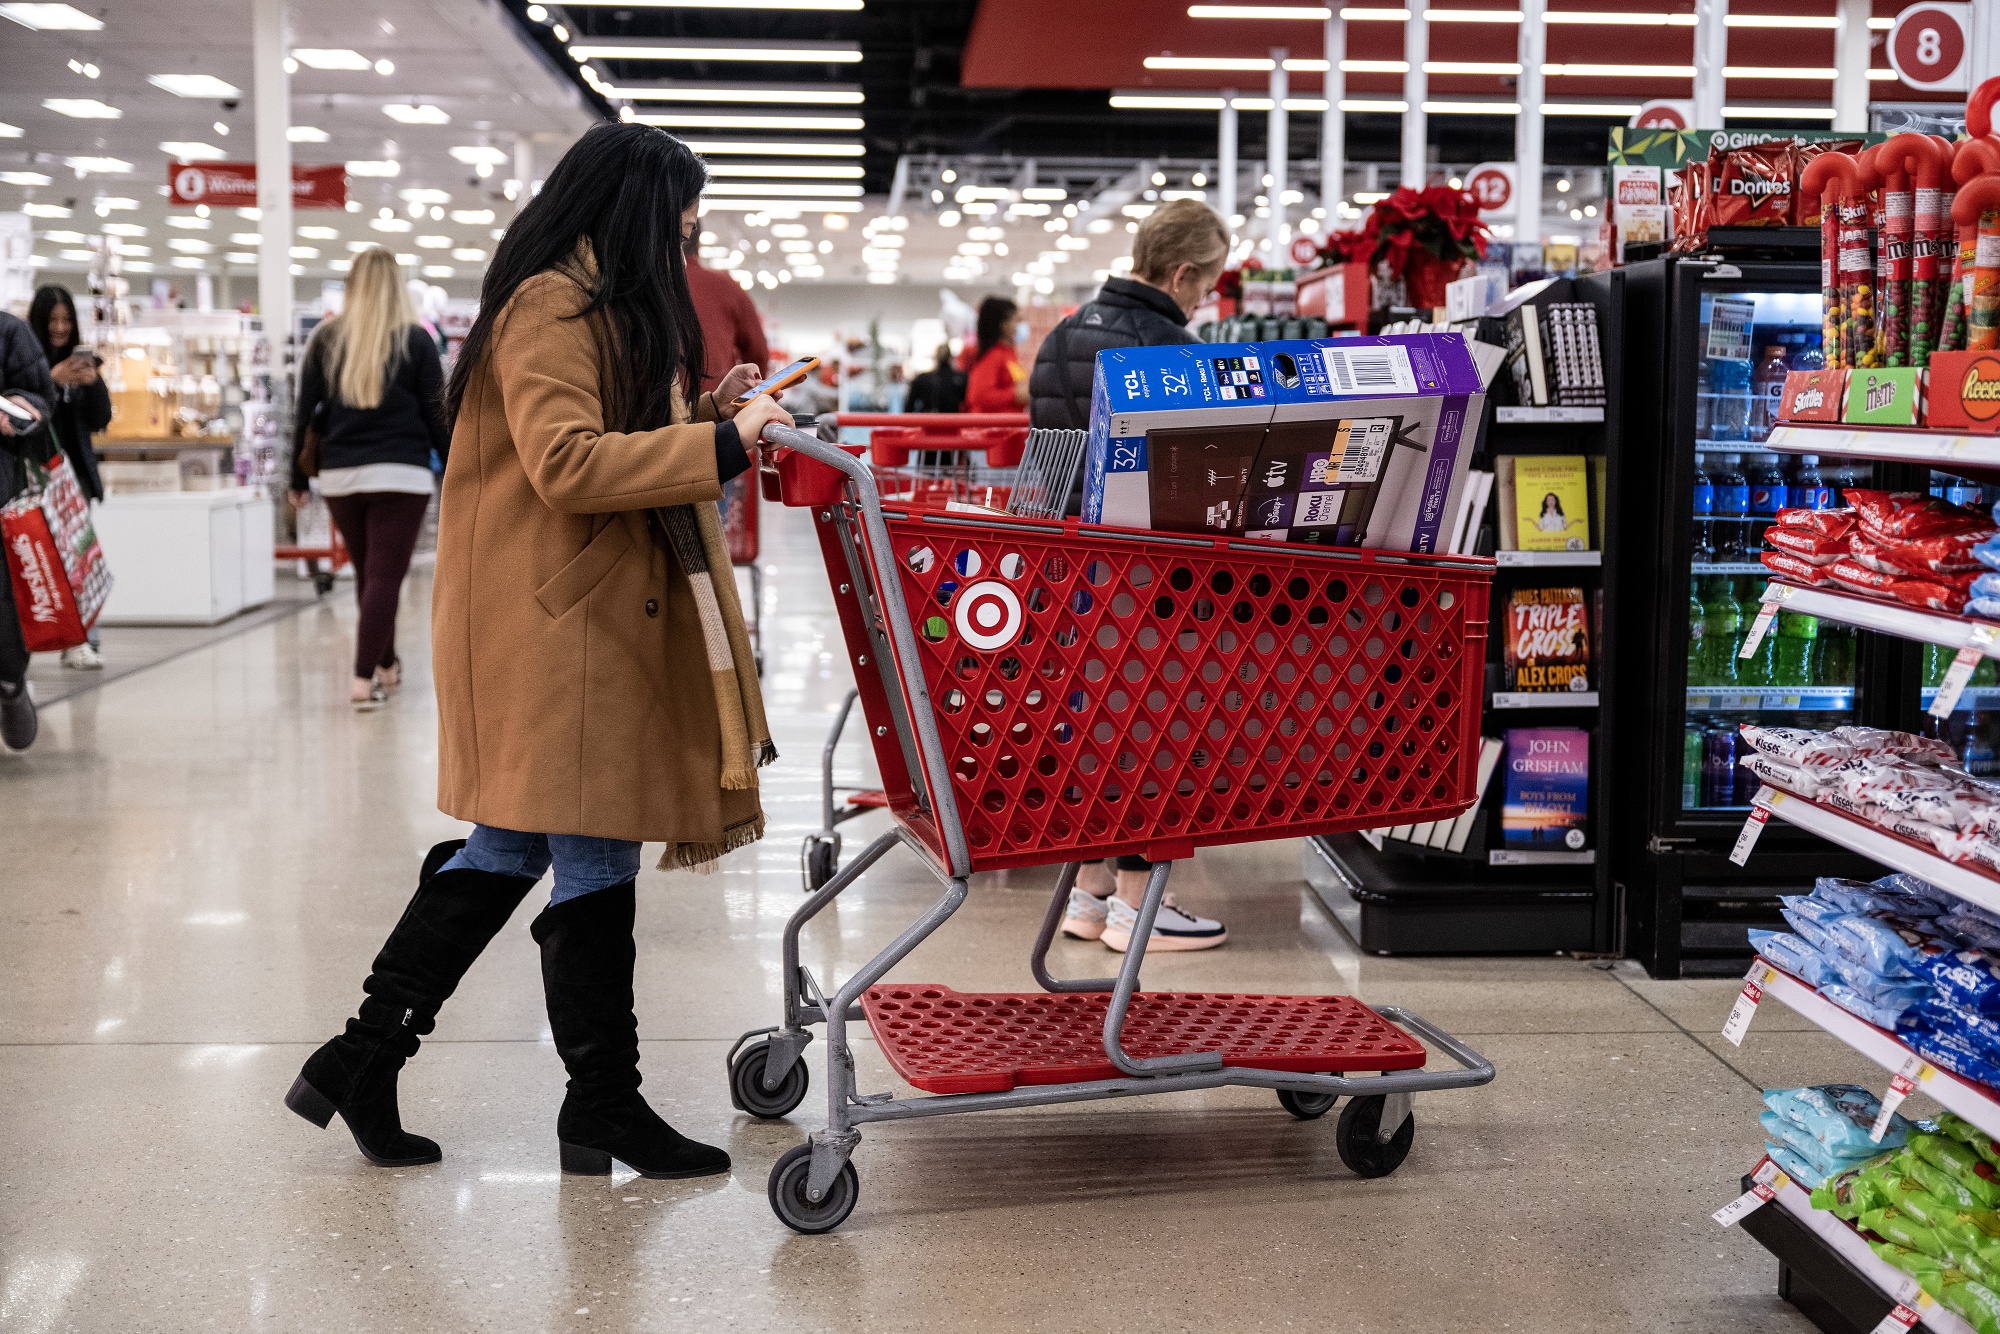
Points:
point(58, 571)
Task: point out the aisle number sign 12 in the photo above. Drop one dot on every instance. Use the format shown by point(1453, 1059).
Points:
point(1930, 45)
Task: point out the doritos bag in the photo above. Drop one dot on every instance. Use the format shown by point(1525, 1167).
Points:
point(1751, 186)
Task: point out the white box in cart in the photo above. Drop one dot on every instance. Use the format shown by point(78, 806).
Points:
point(1340, 441)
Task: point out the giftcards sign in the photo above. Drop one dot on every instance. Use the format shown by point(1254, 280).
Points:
point(235, 184)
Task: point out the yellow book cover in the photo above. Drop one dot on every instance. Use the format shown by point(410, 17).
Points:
point(1552, 502)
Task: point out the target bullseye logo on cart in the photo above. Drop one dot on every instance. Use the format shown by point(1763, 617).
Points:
point(988, 615)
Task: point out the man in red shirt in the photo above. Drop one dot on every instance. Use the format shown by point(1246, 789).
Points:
point(732, 332)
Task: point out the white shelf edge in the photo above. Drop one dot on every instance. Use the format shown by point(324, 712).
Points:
point(1549, 416)
point(1959, 1095)
point(1527, 857)
point(1892, 618)
point(1879, 845)
point(1891, 1281)
point(1545, 699)
point(1900, 444)
point(1529, 559)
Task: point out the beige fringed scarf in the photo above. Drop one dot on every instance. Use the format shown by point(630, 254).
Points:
point(695, 534)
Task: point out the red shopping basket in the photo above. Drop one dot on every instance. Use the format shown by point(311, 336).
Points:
point(1101, 690)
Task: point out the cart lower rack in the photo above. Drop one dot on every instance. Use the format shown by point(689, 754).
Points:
point(1082, 691)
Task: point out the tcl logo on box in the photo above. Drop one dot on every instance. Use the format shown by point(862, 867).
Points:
point(1813, 396)
point(1965, 392)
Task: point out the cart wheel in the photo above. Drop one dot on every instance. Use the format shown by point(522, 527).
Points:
point(322, 583)
point(1359, 1149)
point(820, 858)
point(787, 1190)
point(1307, 1106)
point(746, 1084)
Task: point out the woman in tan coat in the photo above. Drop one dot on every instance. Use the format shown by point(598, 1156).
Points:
point(595, 686)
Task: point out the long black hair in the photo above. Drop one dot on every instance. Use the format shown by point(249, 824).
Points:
point(994, 311)
point(39, 310)
point(622, 187)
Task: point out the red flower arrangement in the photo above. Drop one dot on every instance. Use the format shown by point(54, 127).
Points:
point(1230, 285)
point(1437, 219)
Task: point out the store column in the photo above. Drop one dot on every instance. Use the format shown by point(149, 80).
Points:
point(1416, 50)
point(1277, 149)
point(1711, 54)
point(1850, 67)
point(524, 172)
point(269, 32)
point(1333, 124)
point(1532, 50)
point(1225, 160)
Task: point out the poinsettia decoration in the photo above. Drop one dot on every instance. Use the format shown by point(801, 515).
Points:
point(1437, 219)
point(1230, 285)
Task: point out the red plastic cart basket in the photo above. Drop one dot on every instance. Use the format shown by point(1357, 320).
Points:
point(1043, 691)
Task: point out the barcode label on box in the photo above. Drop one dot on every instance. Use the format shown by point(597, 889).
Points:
point(1369, 370)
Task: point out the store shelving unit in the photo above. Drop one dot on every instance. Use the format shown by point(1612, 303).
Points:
point(1890, 618)
point(1395, 897)
point(1880, 845)
point(1780, 699)
point(1964, 455)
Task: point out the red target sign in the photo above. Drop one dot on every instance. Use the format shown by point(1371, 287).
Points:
point(1927, 47)
point(1491, 185)
point(1305, 250)
point(988, 615)
point(1664, 114)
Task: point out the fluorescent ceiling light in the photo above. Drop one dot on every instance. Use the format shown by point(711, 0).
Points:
point(122, 229)
point(337, 57)
point(1374, 104)
point(306, 134)
point(1619, 71)
point(10, 131)
point(1250, 64)
point(699, 121)
point(103, 166)
point(1047, 193)
point(848, 5)
point(1881, 25)
point(776, 94)
point(190, 224)
point(437, 270)
point(37, 178)
point(1634, 19)
point(816, 189)
point(434, 242)
point(752, 146)
point(51, 18)
point(474, 154)
point(246, 238)
point(1473, 15)
point(406, 113)
point(1156, 102)
point(82, 108)
point(1376, 15)
point(1617, 109)
point(319, 233)
point(1373, 66)
point(1881, 76)
point(1471, 67)
point(117, 202)
point(388, 167)
point(815, 170)
point(826, 53)
point(1777, 72)
point(1782, 21)
point(424, 196)
point(239, 257)
point(790, 206)
point(189, 262)
point(194, 85)
point(190, 150)
point(61, 237)
point(469, 255)
point(1472, 108)
point(392, 224)
point(1316, 12)
point(189, 245)
point(45, 210)
point(472, 217)
point(1780, 113)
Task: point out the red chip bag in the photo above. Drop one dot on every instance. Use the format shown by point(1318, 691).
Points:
point(1805, 212)
point(1830, 523)
point(1852, 574)
point(1898, 516)
point(1793, 567)
point(1950, 553)
point(1752, 187)
point(1805, 544)
point(1936, 592)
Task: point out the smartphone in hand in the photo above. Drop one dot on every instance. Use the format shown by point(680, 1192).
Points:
point(780, 380)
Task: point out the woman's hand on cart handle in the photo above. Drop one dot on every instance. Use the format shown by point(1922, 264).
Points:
point(754, 416)
point(734, 385)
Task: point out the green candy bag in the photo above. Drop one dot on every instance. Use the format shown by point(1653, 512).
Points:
point(1846, 1194)
point(1896, 1226)
point(1965, 1165)
point(1937, 1181)
point(1912, 1262)
point(1974, 1301)
point(1962, 1130)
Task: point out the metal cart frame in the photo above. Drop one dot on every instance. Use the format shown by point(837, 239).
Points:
point(814, 1187)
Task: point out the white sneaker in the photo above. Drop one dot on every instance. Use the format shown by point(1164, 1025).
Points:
point(1172, 928)
point(83, 658)
point(1085, 918)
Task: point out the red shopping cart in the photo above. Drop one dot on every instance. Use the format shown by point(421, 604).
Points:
point(926, 458)
point(1039, 690)
point(318, 540)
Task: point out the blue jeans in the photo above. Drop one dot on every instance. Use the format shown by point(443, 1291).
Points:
point(583, 864)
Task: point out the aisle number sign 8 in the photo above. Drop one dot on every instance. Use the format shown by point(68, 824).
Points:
point(1928, 45)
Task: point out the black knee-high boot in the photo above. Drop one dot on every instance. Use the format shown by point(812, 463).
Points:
point(448, 923)
point(587, 961)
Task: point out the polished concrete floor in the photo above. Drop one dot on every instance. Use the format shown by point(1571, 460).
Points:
point(200, 859)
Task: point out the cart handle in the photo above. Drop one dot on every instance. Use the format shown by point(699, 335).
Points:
point(953, 421)
point(889, 589)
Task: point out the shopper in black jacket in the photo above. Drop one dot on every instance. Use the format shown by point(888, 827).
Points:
point(1176, 257)
point(24, 380)
point(372, 390)
point(82, 405)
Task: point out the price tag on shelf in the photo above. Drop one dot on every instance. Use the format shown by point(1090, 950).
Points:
point(1752, 829)
point(1955, 678)
point(1905, 1315)
point(1765, 615)
point(1916, 1070)
point(1747, 1203)
point(1745, 1009)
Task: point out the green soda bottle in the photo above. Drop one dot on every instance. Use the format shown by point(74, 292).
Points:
point(1722, 632)
point(1691, 752)
point(1987, 673)
point(1697, 674)
point(1793, 649)
point(1757, 669)
point(1936, 659)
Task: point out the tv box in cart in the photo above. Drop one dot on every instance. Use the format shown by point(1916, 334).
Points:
point(1360, 442)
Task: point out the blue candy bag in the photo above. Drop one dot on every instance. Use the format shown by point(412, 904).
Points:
point(1987, 553)
point(1902, 882)
point(1887, 949)
point(1965, 978)
point(1971, 932)
point(1956, 1053)
point(1836, 1118)
point(1937, 1016)
point(1813, 919)
point(1882, 1014)
point(1787, 1136)
point(1797, 1168)
point(1858, 896)
point(1989, 607)
point(1794, 955)
point(1900, 992)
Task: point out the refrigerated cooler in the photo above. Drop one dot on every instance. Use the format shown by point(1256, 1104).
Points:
point(1707, 344)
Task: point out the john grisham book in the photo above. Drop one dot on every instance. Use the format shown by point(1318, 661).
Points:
point(1547, 797)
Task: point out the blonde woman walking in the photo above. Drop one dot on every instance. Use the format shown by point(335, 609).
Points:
point(373, 390)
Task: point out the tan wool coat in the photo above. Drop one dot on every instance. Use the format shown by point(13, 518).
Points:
point(574, 690)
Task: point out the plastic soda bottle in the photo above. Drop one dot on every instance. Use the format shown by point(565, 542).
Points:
point(1697, 672)
point(1793, 649)
point(1704, 401)
point(1704, 513)
point(1691, 759)
point(1936, 659)
point(1809, 490)
point(1767, 391)
point(1732, 508)
point(1836, 654)
point(1768, 495)
point(1729, 379)
point(1722, 632)
point(1757, 669)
